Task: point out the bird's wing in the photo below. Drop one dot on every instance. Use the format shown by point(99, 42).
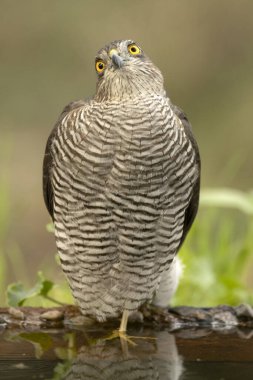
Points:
point(47, 162)
point(192, 208)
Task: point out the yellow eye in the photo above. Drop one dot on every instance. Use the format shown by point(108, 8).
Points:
point(134, 49)
point(100, 66)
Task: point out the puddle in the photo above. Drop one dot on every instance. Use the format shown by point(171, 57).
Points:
point(79, 354)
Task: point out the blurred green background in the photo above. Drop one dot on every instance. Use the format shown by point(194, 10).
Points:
point(205, 51)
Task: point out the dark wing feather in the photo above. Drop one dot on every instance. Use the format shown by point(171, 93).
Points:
point(192, 209)
point(48, 159)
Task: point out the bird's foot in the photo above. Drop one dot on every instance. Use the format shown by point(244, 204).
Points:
point(126, 340)
point(122, 335)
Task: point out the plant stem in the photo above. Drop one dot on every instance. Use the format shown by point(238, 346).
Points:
point(54, 300)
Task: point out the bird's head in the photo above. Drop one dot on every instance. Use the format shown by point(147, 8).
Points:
point(125, 71)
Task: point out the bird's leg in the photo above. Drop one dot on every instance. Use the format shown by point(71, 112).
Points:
point(121, 332)
point(124, 319)
point(124, 338)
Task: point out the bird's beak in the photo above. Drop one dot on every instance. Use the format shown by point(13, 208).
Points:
point(116, 59)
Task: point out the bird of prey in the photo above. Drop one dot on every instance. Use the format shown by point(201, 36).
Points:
point(121, 179)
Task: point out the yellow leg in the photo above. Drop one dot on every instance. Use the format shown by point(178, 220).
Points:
point(124, 319)
point(124, 338)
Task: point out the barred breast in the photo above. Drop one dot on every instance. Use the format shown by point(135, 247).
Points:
point(121, 186)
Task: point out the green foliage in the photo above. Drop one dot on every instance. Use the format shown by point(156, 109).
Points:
point(4, 226)
point(10, 255)
point(218, 251)
point(50, 227)
point(17, 295)
point(229, 198)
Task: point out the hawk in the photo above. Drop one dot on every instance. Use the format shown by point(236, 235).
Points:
point(121, 179)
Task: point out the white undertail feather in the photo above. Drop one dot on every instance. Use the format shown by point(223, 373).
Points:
point(169, 283)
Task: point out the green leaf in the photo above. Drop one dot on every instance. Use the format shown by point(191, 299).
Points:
point(46, 285)
point(17, 294)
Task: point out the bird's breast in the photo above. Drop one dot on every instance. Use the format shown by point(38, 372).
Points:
point(133, 147)
point(148, 143)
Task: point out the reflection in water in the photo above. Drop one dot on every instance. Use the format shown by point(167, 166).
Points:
point(81, 354)
point(150, 360)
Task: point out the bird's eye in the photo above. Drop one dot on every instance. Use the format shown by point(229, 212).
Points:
point(100, 66)
point(134, 49)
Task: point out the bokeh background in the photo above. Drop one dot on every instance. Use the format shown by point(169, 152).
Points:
point(47, 50)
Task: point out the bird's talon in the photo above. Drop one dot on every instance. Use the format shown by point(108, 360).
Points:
point(123, 336)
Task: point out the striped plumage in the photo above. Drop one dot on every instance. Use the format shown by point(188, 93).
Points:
point(121, 182)
point(151, 360)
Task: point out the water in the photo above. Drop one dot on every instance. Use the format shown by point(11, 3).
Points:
point(80, 354)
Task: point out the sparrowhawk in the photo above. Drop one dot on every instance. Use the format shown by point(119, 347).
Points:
point(121, 180)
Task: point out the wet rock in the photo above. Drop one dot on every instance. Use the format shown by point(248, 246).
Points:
point(244, 310)
point(16, 313)
point(226, 318)
point(192, 313)
point(220, 317)
point(2, 321)
point(52, 316)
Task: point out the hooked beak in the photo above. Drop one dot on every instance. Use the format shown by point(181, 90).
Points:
point(116, 59)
